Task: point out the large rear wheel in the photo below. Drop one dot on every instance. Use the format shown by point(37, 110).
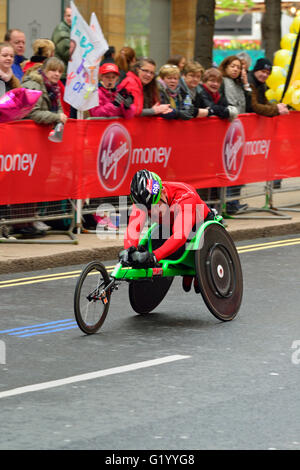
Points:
point(219, 273)
point(91, 300)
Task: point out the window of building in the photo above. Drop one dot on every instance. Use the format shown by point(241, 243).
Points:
point(138, 26)
point(234, 25)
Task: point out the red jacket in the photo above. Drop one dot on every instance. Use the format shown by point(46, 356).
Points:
point(133, 84)
point(185, 208)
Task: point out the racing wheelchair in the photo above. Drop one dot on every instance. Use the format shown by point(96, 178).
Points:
point(211, 256)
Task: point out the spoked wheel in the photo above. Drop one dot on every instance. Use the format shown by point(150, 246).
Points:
point(219, 273)
point(91, 301)
point(145, 295)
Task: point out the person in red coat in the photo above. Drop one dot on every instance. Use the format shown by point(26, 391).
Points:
point(141, 83)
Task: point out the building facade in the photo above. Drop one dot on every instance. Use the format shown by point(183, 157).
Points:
point(157, 28)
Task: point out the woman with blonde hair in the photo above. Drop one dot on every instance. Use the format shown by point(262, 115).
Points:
point(48, 109)
point(171, 93)
point(42, 49)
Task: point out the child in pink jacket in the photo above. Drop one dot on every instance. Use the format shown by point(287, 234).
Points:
point(114, 100)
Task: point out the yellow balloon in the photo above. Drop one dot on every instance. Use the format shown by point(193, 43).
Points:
point(282, 58)
point(296, 100)
point(295, 26)
point(288, 41)
point(287, 99)
point(271, 96)
point(276, 78)
point(296, 81)
point(278, 93)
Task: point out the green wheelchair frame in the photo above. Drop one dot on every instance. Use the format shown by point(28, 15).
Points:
point(210, 256)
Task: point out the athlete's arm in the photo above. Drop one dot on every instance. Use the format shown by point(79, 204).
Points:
point(136, 223)
point(184, 221)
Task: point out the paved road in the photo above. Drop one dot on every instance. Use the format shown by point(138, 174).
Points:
point(214, 386)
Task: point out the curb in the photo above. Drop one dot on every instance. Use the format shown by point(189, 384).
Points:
point(111, 253)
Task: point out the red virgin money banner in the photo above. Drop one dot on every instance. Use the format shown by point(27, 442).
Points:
point(98, 158)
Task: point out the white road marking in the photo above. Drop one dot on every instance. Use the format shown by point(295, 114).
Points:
point(90, 376)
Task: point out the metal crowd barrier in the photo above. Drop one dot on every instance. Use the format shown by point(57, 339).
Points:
point(60, 214)
point(68, 215)
point(261, 195)
point(292, 204)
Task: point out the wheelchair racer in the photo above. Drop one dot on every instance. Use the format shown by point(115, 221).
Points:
point(176, 207)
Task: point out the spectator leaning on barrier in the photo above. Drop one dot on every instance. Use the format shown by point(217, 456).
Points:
point(17, 39)
point(235, 87)
point(48, 109)
point(42, 50)
point(171, 93)
point(237, 91)
point(215, 104)
point(61, 38)
point(192, 77)
point(257, 80)
point(16, 211)
point(141, 83)
point(190, 83)
point(114, 100)
point(210, 97)
point(8, 80)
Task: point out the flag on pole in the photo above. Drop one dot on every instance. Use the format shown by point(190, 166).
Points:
point(87, 46)
point(294, 67)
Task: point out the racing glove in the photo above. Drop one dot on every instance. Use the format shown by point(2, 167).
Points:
point(144, 259)
point(125, 256)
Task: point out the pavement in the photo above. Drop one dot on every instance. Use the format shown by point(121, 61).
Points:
point(59, 250)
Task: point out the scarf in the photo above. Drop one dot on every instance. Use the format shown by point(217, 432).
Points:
point(6, 76)
point(53, 93)
point(215, 96)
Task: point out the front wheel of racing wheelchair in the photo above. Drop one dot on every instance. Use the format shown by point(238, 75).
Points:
point(92, 297)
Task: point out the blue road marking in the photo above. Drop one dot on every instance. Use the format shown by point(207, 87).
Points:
point(40, 329)
point(48, 331)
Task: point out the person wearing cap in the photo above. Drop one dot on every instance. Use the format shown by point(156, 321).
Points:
point(177, 209)
point(114, 99)
point(257, 80)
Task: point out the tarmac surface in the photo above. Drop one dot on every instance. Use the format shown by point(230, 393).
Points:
point(59, 250)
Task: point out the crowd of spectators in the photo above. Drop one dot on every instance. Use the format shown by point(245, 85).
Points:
point(133, 86)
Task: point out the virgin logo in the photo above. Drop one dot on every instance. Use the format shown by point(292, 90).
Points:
point(114, 156)
point(234, 149)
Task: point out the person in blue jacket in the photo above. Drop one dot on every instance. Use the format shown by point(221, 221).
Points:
point(17, 39)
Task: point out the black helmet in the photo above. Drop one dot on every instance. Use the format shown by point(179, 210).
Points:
point(145, 188)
